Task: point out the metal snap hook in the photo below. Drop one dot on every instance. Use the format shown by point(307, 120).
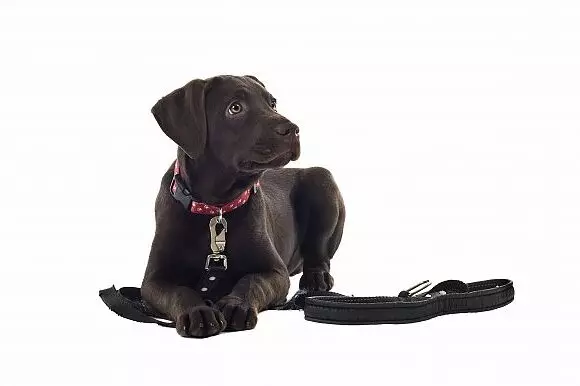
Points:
point(218, 240)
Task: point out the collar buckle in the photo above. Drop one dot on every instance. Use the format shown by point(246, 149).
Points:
point(180, 192)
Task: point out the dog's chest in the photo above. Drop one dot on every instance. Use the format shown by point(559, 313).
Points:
point(257, 237)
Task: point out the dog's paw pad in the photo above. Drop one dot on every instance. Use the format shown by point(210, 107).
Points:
point(200, 322)
point(316, 280)
point(239, 315)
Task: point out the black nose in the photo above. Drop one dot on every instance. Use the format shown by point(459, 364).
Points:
point(286, 129)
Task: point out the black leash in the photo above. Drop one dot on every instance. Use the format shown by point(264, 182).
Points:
point(447, 297)
point(127, 303)
point(412, 305)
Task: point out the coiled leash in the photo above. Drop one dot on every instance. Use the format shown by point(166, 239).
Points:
point(447, 297)
point(412, 305)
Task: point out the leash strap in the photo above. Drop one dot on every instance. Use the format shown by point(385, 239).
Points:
point(127, 303)
point(447, 297)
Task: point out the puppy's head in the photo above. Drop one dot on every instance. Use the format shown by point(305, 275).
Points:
point(232, 118)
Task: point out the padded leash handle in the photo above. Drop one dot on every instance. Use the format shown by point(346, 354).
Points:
point(448, 297)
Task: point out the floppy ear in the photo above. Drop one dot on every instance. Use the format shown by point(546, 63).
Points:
point(181, 116)
point(255, 79)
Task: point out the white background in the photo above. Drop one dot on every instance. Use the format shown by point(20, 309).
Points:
point(451, 127)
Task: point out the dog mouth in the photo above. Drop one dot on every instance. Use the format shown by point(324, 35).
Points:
point(263, 157)
point(273, 162)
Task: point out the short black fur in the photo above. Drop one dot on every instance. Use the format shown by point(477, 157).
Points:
point(292, 224)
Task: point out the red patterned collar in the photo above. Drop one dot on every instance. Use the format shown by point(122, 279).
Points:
point(180, 192)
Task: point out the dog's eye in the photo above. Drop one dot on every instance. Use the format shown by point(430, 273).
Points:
point(273, 105)
point(235, 108)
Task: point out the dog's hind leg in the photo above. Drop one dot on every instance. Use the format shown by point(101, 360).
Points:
point(321, 210)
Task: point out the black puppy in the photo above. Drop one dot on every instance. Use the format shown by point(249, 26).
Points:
point(231, 138)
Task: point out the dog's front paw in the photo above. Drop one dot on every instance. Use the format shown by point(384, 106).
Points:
point(200, 322)
point(238, 313)
point(316, 280)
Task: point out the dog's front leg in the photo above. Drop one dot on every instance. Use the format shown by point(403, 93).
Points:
point(253, 293)
point(192, 316)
